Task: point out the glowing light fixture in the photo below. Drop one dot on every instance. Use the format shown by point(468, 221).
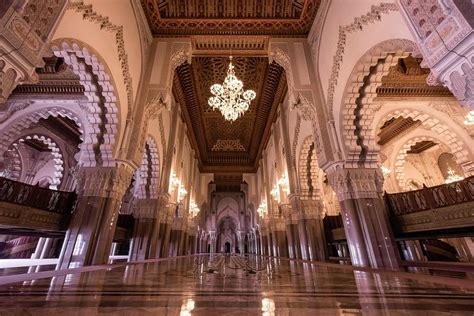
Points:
point(469, 118)
point(181, 193)
point(262, 209)
point(193, 209)
point(284, 183)
point(275, 192)
point(385, 171)
point(268, 307)
point(452, 176)
point(187, 307)
point(229, 97)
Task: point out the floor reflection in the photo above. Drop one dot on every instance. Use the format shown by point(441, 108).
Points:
point(224, 285)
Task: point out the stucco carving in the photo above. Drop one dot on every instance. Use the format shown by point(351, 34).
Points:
point(13, 108)
point(355, 183)
point(89, 14)
point(102, 107)
point(105, 182)
point(373, 16)
point(358, 100)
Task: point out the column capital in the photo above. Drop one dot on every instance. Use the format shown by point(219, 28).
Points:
point(145, 208)
point(351, 183)
point(106, 182)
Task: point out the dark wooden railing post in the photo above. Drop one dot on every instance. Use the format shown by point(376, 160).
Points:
point(429, 198)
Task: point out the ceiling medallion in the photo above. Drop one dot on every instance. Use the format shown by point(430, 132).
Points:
point(229, 97)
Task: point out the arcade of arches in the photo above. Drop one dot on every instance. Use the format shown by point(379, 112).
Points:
point(360, 140)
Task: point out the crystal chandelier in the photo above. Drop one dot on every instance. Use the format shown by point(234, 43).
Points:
point(229, 97)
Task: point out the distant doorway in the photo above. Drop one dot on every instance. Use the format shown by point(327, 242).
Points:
point(227, 247)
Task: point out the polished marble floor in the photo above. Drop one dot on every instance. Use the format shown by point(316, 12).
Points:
point(223, 285)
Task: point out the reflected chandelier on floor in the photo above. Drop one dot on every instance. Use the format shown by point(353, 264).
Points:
point(229, 97)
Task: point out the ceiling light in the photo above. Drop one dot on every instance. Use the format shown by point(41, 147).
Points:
point(229, 97)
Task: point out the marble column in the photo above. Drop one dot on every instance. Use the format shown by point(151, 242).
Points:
point(165, 240)
point(146, 230)
point(93, 222)
point(368, 232)
point(316, 239)
point(291, 245)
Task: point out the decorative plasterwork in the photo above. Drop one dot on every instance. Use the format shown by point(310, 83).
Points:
point(357, 25)
point(295, 139)
point(100, 108)
point(11, 133)
point(355, 183)
point(401, 156)
point(105, 182)
point(443, 35)
point(89, 14)
point(147, 176)
point(143, 29)
point(228, 145)
point(55, 153)
point(276, 18)
point(13, 108)
point(358, 100)
point(25, 29)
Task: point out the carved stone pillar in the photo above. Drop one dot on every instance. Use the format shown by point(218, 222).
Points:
point(24, 39)
point(92, 227)
point(444, 37)
point(146, 230)
point(311, 226)
point(369, 235)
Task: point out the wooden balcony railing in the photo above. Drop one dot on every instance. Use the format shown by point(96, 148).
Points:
point(40, 198)
point(431, 198)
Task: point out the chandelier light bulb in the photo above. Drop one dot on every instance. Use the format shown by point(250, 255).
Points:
point(229, 97)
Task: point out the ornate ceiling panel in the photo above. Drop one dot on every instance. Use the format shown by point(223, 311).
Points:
point(232, 17)
point(222, 145)
point(408, 79)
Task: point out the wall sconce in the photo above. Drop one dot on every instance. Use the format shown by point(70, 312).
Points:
point(174, 182)
point(452, 176)
point(193, 209)
point(181, 193)
point(275, 193)
point(284, 183)
point(385, 171)
point(469, 120)
point(262, 209)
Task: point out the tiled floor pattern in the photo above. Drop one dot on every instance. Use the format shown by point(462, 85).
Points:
point(232, 286)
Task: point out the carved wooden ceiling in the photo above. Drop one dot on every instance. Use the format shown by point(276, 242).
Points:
point(408, 79)
point(231, 17)
point(223, 146)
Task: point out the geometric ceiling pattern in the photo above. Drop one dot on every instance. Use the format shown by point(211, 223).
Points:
point(224, 146)
point(231, 17)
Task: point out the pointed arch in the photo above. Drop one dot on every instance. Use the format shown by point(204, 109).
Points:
point(101, 106)
point(147, 177)
point(358, 104)
point(308, 170)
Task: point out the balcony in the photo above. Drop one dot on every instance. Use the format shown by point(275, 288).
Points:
point(30, 210)
point(443, 210)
